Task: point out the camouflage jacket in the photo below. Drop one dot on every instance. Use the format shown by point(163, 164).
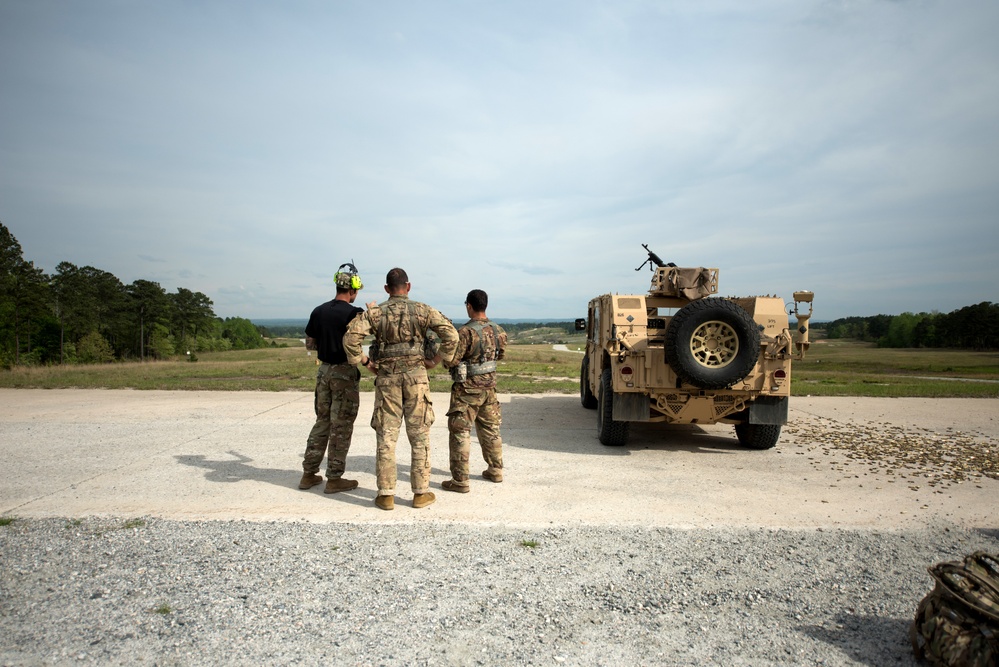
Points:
point(399, 326)
point(479, 341)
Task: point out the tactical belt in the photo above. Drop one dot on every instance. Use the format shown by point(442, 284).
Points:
point(401, 350)
point(482, 369)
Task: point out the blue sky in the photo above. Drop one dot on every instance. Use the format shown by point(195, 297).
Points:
point(245, 149)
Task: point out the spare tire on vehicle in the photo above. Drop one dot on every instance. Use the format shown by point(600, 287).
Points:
point(712, 343)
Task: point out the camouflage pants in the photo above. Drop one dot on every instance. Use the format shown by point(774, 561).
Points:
point(478, 407)
point(402, 396)
point(337, 401)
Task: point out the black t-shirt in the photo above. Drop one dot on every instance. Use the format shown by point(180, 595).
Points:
point(327, 324)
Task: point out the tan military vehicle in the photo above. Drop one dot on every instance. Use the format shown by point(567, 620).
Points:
point(681, 355)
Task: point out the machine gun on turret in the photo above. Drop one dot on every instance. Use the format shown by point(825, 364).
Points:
point(653, 260)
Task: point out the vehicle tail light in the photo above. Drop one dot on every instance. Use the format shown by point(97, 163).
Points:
point(626, 370)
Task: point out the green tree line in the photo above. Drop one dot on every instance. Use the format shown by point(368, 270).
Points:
point(972, 327)
point(86, 315)
point(297, 330)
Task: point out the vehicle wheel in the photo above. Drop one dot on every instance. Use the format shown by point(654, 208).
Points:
point(610, 432)
point(712, 343)
point(758, 436)
point(586, 396)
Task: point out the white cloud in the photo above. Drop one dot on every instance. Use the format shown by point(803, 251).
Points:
point(526, 148)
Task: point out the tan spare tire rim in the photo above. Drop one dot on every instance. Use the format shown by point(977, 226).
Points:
point(714, 344)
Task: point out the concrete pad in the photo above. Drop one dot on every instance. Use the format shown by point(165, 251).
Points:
point(237, 455)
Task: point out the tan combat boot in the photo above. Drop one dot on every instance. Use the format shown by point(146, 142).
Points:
point(423, 499)
point(457, 487)
point(493, 476)
point(309, 480)
point(338, 484)
point(385, 502)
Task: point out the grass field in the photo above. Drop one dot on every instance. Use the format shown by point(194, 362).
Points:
point(852, 368)
point(832, 368)
point(527, 369)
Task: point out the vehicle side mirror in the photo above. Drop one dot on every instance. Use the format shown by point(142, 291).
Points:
point(581, 324)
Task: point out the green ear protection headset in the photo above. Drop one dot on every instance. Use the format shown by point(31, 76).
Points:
point(355, 279)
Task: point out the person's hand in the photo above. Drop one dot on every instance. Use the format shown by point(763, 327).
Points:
point(371, 304)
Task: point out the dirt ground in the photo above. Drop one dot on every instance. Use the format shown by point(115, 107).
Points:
point(841, 462)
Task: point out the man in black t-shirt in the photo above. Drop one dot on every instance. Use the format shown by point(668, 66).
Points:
point(337, 386)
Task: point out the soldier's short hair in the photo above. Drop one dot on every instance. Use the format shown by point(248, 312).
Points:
point(478, 300)
point(396, 278)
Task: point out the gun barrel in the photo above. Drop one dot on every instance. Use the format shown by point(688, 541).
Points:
point(653, 256)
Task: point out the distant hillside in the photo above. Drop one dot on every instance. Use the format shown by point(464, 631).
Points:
point(296, 322)
point(278, 322)
point(522, 320)
point(282, 328)
point(295, 328)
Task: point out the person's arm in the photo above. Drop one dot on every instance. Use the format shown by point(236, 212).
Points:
point(500, 343)
point(353, 340)
point(464, 341)
point(310, 330)
point(448, 334)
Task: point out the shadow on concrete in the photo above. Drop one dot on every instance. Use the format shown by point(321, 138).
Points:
point(568, 427)
point(869, 640)
point(238, 469)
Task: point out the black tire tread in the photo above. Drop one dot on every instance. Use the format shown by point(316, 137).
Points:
point(758, 436)
point(611, 433)
point(586, 397)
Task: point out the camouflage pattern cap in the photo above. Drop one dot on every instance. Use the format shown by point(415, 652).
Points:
point(347, 277)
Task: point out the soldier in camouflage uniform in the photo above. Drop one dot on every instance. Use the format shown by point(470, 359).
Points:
point(473, 395)
point(402, 388)
point(337, 394)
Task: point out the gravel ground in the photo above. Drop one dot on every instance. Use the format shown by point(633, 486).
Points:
point(156, 591)
point(176, 534)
